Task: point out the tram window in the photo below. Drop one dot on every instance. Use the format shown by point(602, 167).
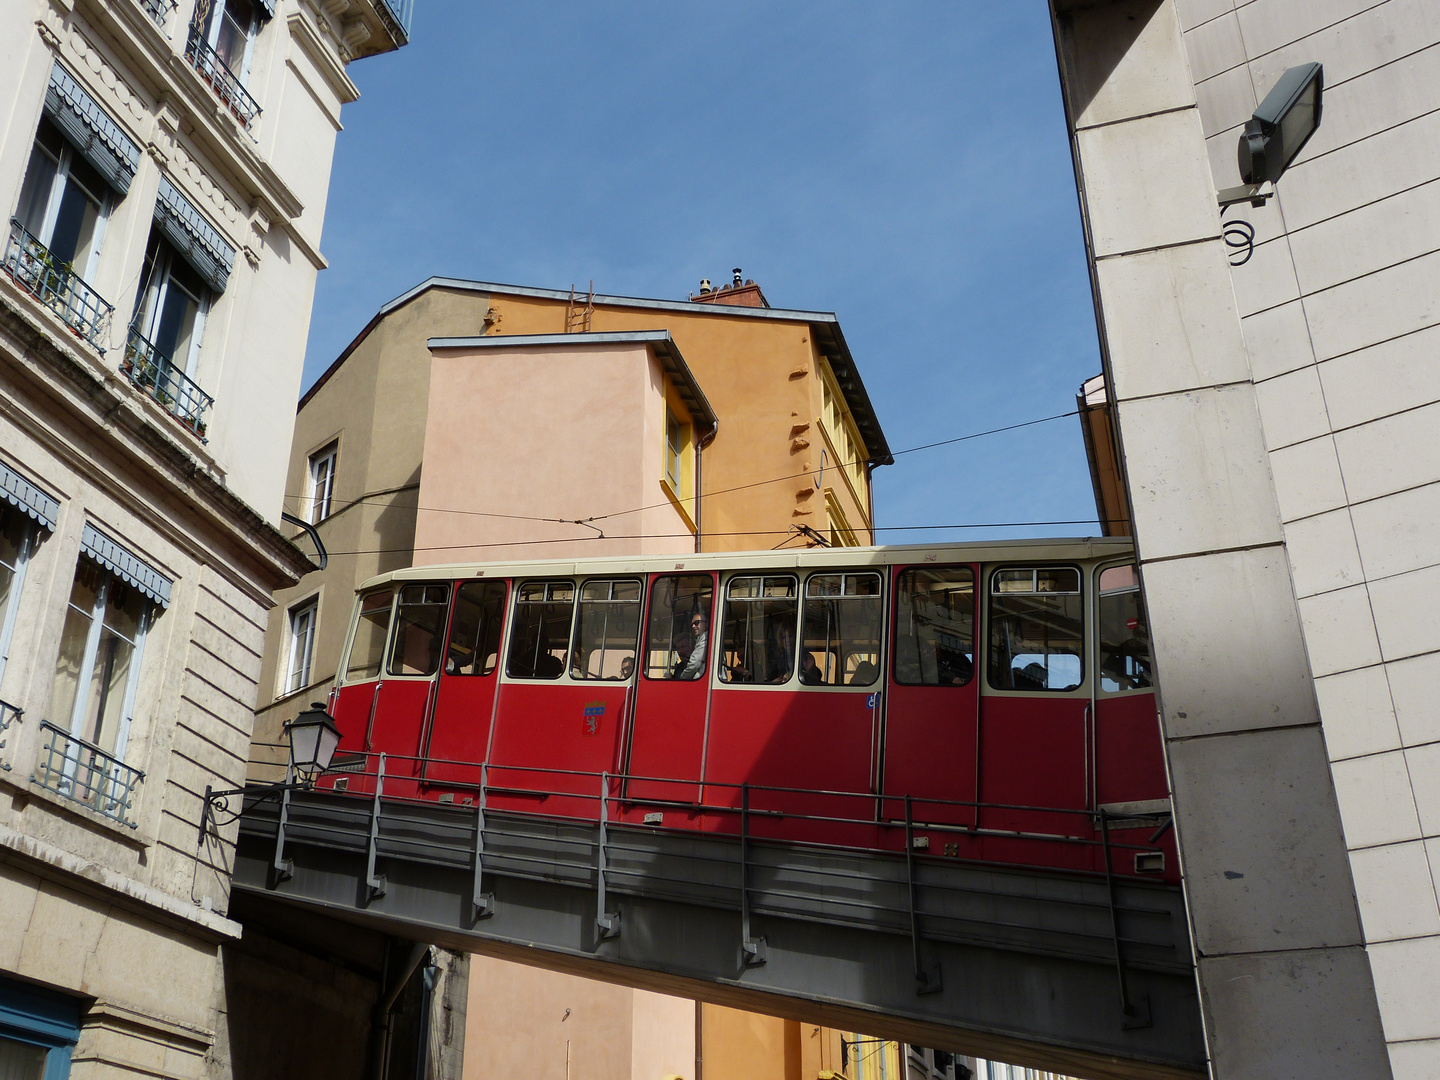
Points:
point(474, 646)
point(1036, 629)
point(679, 627)
point(419, 629)
point(935, 627)
point(841, 646)
point(760, 629)
point(607, 631)
point(1124, 634)
point(540, 640)
point(372, 628)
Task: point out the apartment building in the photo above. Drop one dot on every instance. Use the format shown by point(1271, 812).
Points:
point(164, 168)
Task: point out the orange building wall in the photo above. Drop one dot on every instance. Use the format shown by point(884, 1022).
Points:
point(760, 376)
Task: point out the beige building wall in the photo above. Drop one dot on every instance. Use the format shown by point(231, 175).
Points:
point(1277, 420)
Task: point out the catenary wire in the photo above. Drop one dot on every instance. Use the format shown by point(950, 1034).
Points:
point(789, 477)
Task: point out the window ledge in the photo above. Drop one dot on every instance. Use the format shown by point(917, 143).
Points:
point(678, 503)
point(28, 790)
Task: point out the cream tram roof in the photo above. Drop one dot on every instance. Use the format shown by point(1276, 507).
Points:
point(986, 551)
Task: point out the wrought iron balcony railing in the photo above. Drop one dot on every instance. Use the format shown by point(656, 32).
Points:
point(159, 10)
point(81, 771)
point(8, 715)
point(30, 265)
point(155, 373)
point(222, 80)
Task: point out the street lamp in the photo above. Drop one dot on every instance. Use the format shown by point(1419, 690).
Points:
point(1278, 130)
point(313, 737)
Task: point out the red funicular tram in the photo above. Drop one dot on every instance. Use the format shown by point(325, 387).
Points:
point(988, 701)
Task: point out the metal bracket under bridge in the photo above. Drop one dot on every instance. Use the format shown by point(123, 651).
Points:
point(1083, 973)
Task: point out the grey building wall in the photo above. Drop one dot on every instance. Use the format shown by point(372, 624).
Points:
point(1277, 422)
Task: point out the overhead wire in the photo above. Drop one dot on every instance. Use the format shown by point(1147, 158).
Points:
point(788, 477)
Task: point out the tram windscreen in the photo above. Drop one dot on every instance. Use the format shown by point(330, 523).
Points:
point(474, 646)
point(372, 628)
point(540, 638)
point(759, 636)
point(677, 637)
point(1036, 629)
point(419, 628)
point(607, 630)
point(935, 626)
point(1124, 634)
point(841, 646)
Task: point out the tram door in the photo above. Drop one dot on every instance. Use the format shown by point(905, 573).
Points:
point(405, 696)
point(667, 733)
point(1129, 759)
point(1033, 746)
point(458, 737)
point(931, 716)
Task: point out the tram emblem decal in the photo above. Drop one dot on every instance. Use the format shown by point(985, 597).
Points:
point(594, 713)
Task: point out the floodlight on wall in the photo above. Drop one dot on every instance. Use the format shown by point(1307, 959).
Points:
point(1278, 130)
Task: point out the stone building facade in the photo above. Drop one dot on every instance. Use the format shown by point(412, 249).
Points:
point(164, 170)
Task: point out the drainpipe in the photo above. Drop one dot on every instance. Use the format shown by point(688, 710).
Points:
point(699, 455)
point(380, 1021)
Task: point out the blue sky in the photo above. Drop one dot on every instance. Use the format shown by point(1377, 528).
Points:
point(904, 165)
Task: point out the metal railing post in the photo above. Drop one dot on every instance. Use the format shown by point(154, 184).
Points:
point(752, 948)
point(283, 867)
point(375, 883)
point(1136, 1016)
point(482, 903)
point(927, 981)
point(608, 924)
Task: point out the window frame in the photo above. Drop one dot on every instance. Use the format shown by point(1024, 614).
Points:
point(723, 670)
point(1100, 596)
point(519, 586)
point(311, 607)
point(581, 600)
point(28, 539)
point(991, 574)
point(58, 183)
point(75, 723)
point(975, 631)
point(212, 37)
point(654, 586)
point(674, 450)
point(344, 675)
point(321, 507)
point(878, 597)
point(155, 294)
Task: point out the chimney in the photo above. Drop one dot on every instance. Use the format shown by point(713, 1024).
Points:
point(740, 292)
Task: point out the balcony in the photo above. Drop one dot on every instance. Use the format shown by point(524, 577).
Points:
point(155, 373)
point(222, 80)
point(159, 10)
point(30, 265)
point(8, 715)
point(398, 13)
point(81, 771)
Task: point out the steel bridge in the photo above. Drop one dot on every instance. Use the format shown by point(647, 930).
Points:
point(1085, 973)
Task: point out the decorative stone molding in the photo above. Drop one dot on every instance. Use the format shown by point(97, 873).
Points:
point(126, 103)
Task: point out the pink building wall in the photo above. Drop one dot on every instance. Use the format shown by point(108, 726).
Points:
point(544, 431)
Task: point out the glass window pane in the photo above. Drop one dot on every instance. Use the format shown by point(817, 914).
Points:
point(13, 527)
point(67, 670)
point(607, 630)
point(372, 628)
point(419, 626)
point(35, 194)
point(540, 637)
point(842, 630)
point(935, 627)
point(1119, 577)
point(21, 1061)
point(302, 647)
point(759, 632)
point(1124, 635)
point(74, 227)
point(105, 703)
point(1036, 636)
point(677, 641)
point(475, 628)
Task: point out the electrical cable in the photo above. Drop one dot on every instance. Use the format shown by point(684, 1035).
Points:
point(790, 477)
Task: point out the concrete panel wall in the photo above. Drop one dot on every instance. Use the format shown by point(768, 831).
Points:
point(1217, 466)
